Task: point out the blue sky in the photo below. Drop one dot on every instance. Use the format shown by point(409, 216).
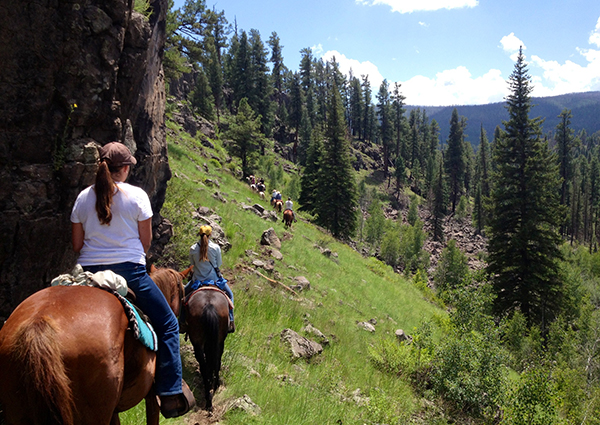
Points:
point(442, 52)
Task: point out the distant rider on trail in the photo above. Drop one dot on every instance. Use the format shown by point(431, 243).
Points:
point(289, 205)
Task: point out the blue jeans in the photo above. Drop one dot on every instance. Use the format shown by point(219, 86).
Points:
point(153, 303)
point(222, 285)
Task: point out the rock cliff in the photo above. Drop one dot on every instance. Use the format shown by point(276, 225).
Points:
point(74, 75)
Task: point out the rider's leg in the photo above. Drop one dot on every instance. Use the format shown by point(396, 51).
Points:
point(225, 288)
point(150, 299)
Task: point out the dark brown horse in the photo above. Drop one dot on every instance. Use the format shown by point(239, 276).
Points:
point(67, 357)
point(207, 317)
point(288, 218)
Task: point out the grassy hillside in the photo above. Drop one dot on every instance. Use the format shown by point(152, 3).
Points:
point(333, 387)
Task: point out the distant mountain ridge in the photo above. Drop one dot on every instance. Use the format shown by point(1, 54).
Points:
point(585, 108)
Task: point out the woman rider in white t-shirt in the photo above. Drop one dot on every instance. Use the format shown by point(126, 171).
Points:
point(112, 229)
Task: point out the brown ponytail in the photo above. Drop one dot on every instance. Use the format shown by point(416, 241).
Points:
point(204, 248)
point(105, 189)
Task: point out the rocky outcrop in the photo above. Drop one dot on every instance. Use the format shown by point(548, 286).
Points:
point(75, 75)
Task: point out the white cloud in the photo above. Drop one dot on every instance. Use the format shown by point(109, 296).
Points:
point(423, 24)
point(358, 68)
point(455, 87)
point(317, 50)
point(409, 6)
point(595, 35)
point(511, 45)
point(458, 87)
point(450, 87)
point(568, 77)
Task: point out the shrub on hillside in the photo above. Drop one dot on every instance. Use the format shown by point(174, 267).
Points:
point(452, 271)
point(532, 400)
point(469, 372)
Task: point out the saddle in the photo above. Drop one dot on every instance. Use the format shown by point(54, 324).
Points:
point(209, 285)
point(116, 285)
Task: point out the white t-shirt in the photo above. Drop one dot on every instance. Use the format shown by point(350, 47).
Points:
point(119, 241)
point(289, 205)
point(204, 270)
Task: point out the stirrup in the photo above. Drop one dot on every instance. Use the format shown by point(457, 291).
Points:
point(185, 401)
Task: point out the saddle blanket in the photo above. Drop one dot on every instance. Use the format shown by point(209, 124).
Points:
point(116, 285)
point(197, 285)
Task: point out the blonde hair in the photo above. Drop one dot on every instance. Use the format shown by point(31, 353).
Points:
point(204, 233)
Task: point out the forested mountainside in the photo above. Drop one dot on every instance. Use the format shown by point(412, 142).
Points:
point(584, 106)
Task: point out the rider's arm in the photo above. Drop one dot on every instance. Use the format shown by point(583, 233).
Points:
point(145, 230)
point(77, 236)
point(219, 260)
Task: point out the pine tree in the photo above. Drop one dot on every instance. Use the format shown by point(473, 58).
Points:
point(241, 70)
point(336, 206)
point(260, 88)
point(356, 107)
point(244, 130)
point(366, 90)
point(201, 97)
point(278, 66)
point(384, 115)
point(398, 118)
point(400, 175)
point(482, 183)
point(455, 159)
point(310, 175)
point(438, 200)
point(564, 147)
point(214, 73)
point(524, 239)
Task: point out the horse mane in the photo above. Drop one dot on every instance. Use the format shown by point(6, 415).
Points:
point(44, 374)
point(169, 282)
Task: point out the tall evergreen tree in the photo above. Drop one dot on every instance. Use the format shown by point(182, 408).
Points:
point(366, 89)
point(306, 81)
point(438, 201)
point(214, 73)
point(278, 70)
point(482, 182)
point(398, 118)
point(310, 176)
point(336, 206)
point(455, 159)
point(244, 130)
point(524, 239)
point(384, 115)
point(241, 70)
point(173, 59)
point(564, 147)
point(260, 89)
point(201, 97)
point(356, 107)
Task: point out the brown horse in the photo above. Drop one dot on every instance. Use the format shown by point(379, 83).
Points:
point(288, 218)
point(67, 357)
point(170, 282)
point(207, 317)
point(278, 205)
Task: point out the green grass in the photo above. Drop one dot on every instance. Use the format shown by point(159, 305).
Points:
point(343, 292)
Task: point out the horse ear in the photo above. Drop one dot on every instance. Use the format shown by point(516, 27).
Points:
point(152, 268)
point(186, 272)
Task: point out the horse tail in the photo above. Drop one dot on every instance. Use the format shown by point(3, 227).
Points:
point(210, 323)
point(45, 380)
